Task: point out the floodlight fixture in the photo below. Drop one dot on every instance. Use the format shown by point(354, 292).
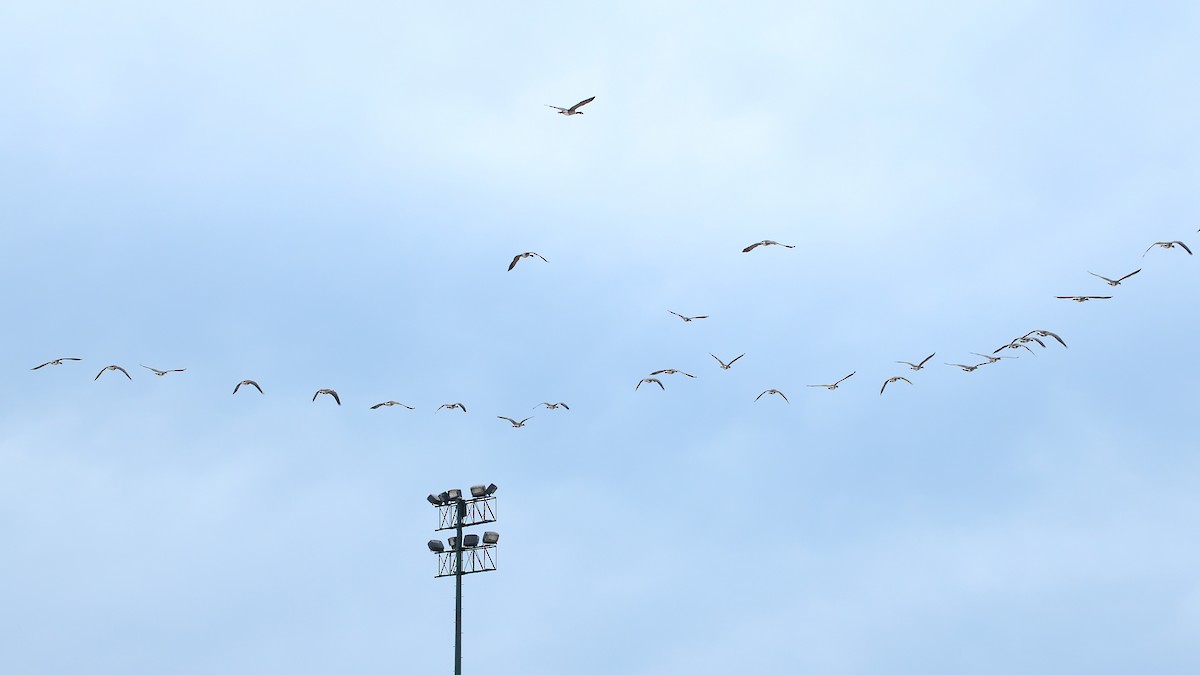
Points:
point(464, 555)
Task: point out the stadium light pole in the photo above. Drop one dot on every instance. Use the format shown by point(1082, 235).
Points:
point(457, 512)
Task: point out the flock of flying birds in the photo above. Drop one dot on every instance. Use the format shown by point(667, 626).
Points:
point(1023, 342)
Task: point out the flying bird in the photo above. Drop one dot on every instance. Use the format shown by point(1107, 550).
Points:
point(891, 380)
point(688, 319)
point(833, 386)
point(995, 359)
point(452, 406)
point(110, 368)
point(1083, 298)
point(1015, 344)
point(772, 391)
point(554, 406)
point(527, 254)
point(56, 362)
point(917, 366)
point(1046, 333)
point(670, 371)
point(725, 366)
point(965, 368)
point(330, 392)
point(1026, 338)
point(390, 404)
point(650, 380)
point(765, 242)
point(252, 383)
point(160, 373)
point(515, 424)
point(573, 110)
point(1168, 244)
point(1117, 282)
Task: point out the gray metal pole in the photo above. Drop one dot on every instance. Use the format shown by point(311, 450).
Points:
point(462, 514)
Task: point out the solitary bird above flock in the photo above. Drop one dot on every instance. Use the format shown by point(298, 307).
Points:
point(688, 319)
point(1083, 298)
point(765, 242)
point(56, 362)
point(1169, 244)
point(573, 110)
point(519, 256)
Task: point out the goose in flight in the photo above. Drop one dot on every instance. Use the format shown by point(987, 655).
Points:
point(1026, 338)
point(650, 380)
point(688, 319)
point(1083, 298)
point(1168, 244)
point(573, 110)
point(554, 406)
point(252, 383)
point(891, 380)
point(111, 368)
point(527, 254)
point(56, 362)
point(996, 359)
point(390, 404)
point(330, 392)
point(160, 373)
point(965, 368)
point(725, 366)
point(1046, 333)
point(833, 386)
point(1117, 282)
point(515, 424)
point(1015, 344)
point(772, 391)
point(765, 242)
point(917, 366)
point(452, 406)
point(670, 371)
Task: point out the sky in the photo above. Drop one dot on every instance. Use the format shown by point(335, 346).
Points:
point(319, 196)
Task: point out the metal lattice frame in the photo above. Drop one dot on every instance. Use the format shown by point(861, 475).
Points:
point(479, 511)
point(476, 559)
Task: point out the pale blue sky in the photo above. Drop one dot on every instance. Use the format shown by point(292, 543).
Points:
point(328, 196)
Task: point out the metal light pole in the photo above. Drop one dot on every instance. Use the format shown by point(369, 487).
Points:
point(456, 513)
